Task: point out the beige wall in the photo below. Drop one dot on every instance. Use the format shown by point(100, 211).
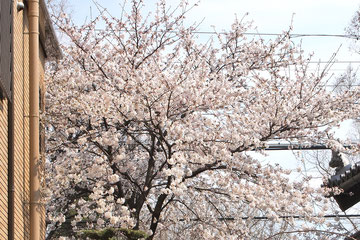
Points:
point(42, 130)
point(3, 171)
point(21, 156)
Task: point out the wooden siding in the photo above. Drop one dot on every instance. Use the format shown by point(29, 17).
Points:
point(26, 136)
point(20, 86)
point(21, 137)
point(3, 170)
point(42, 133)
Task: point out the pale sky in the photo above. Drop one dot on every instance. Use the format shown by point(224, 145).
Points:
point(269, 16)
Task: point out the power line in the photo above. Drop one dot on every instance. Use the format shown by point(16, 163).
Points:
point(334, 216)
point(291, 35)
point(336, 62)
point(299, 146)
point(298, 217)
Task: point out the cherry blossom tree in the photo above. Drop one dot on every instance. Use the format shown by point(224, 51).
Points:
point(149, 130)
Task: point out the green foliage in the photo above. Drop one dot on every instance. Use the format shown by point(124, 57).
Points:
point(71, 213)
point(133, 234)
point(111, 233)
point(104, 234)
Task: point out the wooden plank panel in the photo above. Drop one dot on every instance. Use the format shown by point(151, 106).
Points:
point(3, 217)
point(3, 170)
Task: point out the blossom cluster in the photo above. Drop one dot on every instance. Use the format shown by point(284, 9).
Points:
point(148, 129)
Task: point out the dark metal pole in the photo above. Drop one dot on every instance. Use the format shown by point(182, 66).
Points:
point(294, 146)
point(11, 187)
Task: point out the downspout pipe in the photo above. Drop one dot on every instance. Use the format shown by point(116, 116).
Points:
point(11, 132)
point(35, 170)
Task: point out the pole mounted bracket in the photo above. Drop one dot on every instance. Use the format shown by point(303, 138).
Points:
point(20, 6)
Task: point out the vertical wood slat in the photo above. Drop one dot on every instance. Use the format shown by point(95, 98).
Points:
point(5, 47)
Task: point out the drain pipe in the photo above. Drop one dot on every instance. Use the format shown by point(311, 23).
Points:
point(35, 168)
point(11, 132)
point(11, 187)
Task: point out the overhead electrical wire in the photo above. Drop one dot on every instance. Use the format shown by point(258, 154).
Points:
point(330, 216)
point(291, 35)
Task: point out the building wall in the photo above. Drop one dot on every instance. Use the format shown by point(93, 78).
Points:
point(21, 137)
point(3, 170)
point(26, 138)
point(42, 133)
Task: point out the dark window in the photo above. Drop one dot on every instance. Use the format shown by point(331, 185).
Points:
point(5, 47)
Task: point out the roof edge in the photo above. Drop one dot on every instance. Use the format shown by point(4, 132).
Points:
point(51, 43)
